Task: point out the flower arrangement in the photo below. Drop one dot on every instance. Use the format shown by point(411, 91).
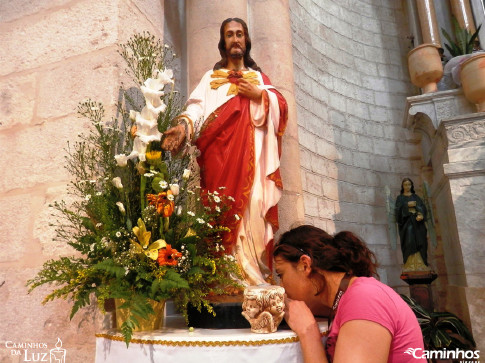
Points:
point(142, 227)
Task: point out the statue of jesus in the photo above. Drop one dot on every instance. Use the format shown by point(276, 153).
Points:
point(243, 120)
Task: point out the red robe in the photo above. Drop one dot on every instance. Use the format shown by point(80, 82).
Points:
point(227, 146)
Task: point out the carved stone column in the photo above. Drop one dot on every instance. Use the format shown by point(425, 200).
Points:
point(203, 19)
point(462, 11)
point(428, 22)
point(271, 37)
point(453, 144)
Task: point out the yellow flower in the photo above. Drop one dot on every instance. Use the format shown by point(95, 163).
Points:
point(153, 155)
point(144, 236)
point(190, 233)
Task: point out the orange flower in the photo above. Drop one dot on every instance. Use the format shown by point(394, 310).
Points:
point(168, 256)
point(133, 131)
point(164, 205)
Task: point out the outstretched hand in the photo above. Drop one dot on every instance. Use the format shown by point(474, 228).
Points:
point(173, 138)
point(249, 90)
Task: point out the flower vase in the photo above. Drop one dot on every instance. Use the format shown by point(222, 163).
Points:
point(154, 322)
point(425, 67)
point(472, 75)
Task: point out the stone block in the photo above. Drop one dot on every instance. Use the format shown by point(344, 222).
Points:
point(15, 216)
point(153, 10)
point(379, 114)
point(337, 118)
point(48, 40)
point(337, 101)
point(381, 163)
point(364, 37)
point(327, 150)
point(385, 255)
point(13, 10)
point(372, 25)
point(311, 204)
point(475, 297)
point(330, 188)
point(376, 54)
point(17, 100)
point(291, 210)
point(385, 147)
point(306, 159)
point(365, 144)
point(342, 225)
point(344, 88)
point(357, 108)
point(389, 28)
point(43, 231)
point(313, 183)
point(307, 139)
point(326, 208)
point(374, 83)
point(375, 130)
point(95, 76)
point(39, 153)
point(314, 124)
point(365, 95)
point(361, 160)
point(27, 320)
point(92, 26)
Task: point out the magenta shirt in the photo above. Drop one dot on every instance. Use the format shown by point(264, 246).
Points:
point(369, 299)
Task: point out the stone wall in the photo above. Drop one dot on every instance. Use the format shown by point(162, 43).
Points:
point(351, 83)
point(54, 55)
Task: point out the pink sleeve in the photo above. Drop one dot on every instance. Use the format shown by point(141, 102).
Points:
point(368, 302)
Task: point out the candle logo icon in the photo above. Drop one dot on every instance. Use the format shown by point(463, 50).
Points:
point(58, 354)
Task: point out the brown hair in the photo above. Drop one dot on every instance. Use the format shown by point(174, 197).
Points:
point(344, 252)
point(412, 185)
point(248, 61)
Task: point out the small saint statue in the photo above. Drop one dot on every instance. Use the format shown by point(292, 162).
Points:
point(410, 212)
point(263, 307)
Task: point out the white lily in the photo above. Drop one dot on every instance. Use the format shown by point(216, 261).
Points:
point(117, 182)
point(121, 207)
point(139, 149)
point(121, 160)
point(175, 189)
point(165, 77)
point(147, 127)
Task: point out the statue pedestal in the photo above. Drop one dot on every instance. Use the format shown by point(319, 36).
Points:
point(420, 287)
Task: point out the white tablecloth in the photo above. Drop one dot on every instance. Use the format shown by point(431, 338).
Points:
point(180, 345)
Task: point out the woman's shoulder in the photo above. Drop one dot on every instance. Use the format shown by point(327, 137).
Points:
point(370, 290)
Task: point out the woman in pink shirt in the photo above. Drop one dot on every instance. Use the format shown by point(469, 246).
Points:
point(332, 276)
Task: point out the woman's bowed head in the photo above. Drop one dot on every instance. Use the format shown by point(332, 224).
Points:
point(333, 276)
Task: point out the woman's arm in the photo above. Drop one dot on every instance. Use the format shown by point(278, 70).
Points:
point(362, 341)
point(301, 320)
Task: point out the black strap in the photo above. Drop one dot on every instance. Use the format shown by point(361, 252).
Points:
point(344, 284)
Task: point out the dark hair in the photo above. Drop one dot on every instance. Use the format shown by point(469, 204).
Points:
point(412, 185)
point(248, 61)
point(344, 252)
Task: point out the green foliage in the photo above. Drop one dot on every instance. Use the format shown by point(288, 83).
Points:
point(441, 329)
point(139, 228)
point(463, 41)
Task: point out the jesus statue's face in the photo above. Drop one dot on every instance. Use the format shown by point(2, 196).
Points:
point(234, 39)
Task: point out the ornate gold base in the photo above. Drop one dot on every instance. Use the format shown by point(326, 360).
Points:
point(415, 263)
